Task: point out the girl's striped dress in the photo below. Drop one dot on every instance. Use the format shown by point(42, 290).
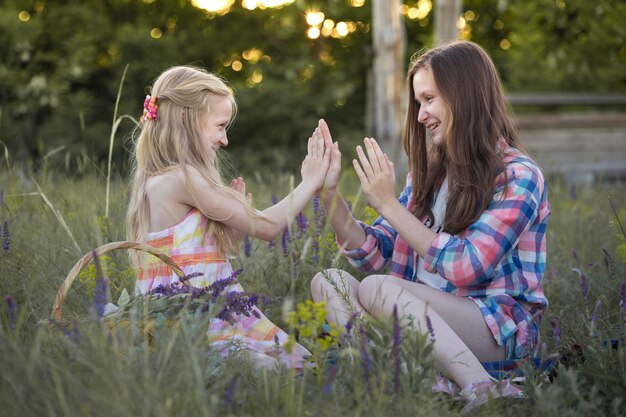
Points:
point(194, 251)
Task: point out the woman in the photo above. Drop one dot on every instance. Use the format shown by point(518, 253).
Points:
point(467, 234)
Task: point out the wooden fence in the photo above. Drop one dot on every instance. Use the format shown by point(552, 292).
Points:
point(579, 136)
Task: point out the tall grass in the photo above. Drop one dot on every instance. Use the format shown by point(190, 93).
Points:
point(80, 367)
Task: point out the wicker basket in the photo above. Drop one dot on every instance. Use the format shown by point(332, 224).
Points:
point(82, 262)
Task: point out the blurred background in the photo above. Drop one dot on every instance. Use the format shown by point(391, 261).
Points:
point(65, 63)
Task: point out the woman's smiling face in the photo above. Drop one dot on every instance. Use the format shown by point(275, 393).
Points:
point(434, 113)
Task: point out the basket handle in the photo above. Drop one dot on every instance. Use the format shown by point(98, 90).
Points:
point(82, 262)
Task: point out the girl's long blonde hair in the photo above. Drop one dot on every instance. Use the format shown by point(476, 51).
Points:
point(173, 141)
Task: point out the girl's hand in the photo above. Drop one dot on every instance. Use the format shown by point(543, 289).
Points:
point(316, 162)
point(334, 170)
point(239, 185)
point(376, 173)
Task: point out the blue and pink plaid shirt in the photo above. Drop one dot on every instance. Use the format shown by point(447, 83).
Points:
point(498, 261)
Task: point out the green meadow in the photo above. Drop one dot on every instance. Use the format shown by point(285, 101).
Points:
point(81, 365)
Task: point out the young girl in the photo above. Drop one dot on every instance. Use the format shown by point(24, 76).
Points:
point(179, 204)
point(467, 234)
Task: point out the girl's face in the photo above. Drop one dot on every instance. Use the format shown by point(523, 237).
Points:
point(214, 127)
point(434, 113)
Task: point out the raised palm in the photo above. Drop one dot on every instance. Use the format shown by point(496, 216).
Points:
point(334, 170)
point(315, 165)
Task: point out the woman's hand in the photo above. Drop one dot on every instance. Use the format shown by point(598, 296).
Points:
point(316, 162)
point(377, 175)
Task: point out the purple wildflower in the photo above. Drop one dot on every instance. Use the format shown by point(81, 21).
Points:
point(316, 207)
point(239, 303)
point(160, 290)
point(316, 249)
point(366, 360)
point(608, 263)
point(584, 286)
point(544, 352)
point(247, 246)
point(431, 331)
point(74, 334)
point(594, 319)
point(100, 290)
point(186, 278)
point(318, 215)
point(234, 302)
point(350, 324)
point(284, 241)
point(181, 287)
point(12, 306)
point(395, 350)
point(230, 391)
point(6, 237)
point(533, 337)
point(331, 372)
point(302, 222)
point(556, 330)
point(218, 287)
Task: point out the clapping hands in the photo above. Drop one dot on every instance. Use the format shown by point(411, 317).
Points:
point(373, 167)
point(331, 180)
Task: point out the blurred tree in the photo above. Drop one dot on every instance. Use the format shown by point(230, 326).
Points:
point(446, 20)
point(61, 64)
point(552, 45)
point(567, 45)
point(388, 89)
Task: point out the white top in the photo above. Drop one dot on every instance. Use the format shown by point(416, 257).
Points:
point(439, 212)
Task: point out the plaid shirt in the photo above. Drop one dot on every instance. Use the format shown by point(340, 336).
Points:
point(498, 261)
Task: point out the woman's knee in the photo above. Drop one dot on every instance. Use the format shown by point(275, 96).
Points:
point(325, 281)
point(372, 292)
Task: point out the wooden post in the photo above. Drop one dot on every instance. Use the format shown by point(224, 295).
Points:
point(447, 13)
point(388, 87)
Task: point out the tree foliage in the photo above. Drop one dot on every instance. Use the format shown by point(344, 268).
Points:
point(61, 64)
point(567, 45)
point(60, 71)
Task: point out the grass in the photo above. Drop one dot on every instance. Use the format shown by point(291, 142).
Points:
point(87, 369)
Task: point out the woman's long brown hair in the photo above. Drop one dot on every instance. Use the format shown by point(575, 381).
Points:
point(468, 82)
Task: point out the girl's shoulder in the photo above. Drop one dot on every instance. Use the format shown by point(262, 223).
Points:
point(176, 178)
point(166, 182)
